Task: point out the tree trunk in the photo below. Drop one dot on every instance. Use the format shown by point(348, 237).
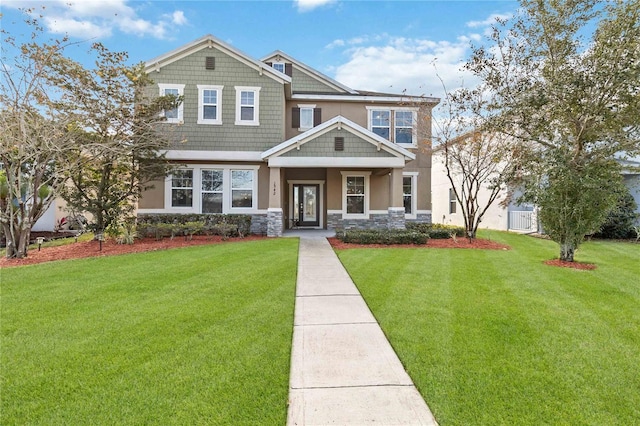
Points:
point(566, 252)
point(17, 241)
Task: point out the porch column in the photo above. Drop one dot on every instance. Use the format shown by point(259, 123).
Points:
point(396, 200)
point(274, 212)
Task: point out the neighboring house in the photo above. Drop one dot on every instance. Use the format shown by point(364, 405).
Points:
point(631, 176)
point(280, 141)
point(512, 217)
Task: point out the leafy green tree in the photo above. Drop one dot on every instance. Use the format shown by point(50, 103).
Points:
point(34, 139)
point(620, 221)
point(566, 75)
point(117, 129)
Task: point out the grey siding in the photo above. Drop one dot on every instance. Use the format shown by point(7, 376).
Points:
point(228, 72)
point(323, 146)
point(302, 82)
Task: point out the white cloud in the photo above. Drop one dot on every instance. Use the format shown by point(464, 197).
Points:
point(309, 5)
point(405, 65)
point(99, 18)
point(487, 22)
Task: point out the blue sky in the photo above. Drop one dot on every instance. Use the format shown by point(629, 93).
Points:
point(387, 46)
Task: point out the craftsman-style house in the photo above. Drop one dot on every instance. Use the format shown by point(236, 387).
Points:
point(280, 141)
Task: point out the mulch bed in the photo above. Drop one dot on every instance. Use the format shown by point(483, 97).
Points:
point(463, 243)
point(85, 249)
point(574, 265)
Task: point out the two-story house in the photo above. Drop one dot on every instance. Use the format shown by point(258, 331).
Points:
point(284, 143)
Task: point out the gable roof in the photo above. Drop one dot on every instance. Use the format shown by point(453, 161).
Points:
point(340, 123)
point(278, 54)
point(209, 42)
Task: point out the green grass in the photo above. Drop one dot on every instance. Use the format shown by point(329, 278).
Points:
point(199, 335)
point(499, 338)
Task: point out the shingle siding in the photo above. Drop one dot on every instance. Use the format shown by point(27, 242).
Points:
point(229, 73)
point(302, 82)
point(323, 146)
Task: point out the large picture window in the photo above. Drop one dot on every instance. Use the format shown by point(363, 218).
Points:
point(182, 188)
point(209, 104)
point(247, 106)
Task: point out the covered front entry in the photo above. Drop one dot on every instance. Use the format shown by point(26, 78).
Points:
point(306, 204)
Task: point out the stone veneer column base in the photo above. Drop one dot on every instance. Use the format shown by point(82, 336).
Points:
point(396, 218)
point(274, 222)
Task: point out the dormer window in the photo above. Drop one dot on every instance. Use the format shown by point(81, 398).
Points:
point(278, 66)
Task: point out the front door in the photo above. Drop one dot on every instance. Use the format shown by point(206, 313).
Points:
point(306, 208)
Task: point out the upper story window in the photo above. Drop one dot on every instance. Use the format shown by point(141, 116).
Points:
point(173, 115)
point(209, 104)
point(305, 117)
point(278, 66)
point(247, 106)
point(397, 125)
point(381, 123)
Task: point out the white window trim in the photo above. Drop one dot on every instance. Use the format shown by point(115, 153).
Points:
point(201, 89)
point(367, 194)
point(169, 191)
point(414, 191)
point(226, 189)
point(312, 107)
point(392, 124)
point(256, 106)
point(180, 87)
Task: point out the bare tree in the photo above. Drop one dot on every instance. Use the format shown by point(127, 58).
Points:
point(478, 162)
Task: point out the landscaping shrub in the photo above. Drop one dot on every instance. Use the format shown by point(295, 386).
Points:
point(619, 223)
point(382, 237)
point(436, 230)
point(161, 225)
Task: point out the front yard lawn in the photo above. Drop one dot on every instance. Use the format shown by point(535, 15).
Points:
point(198, 335)
point(498, 338)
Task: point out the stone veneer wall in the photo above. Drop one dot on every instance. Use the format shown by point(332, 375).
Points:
point(274, 223)
point(375, 221)
point(259, 224)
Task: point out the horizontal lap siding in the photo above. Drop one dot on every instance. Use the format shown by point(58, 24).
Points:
point(228, 72)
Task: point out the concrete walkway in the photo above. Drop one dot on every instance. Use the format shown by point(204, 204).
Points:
point(343, 369)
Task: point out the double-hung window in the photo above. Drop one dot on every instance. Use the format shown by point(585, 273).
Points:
point(182, 188)
point(212, 191)
point(396, 125)
point(305, 117)
point(173, 115)
point(247, 106)
point(381, 123)
point(453, 202)
point(403, 126)
point(209, 104)
point(355, 193)
point(241, 188)
point(409, 193)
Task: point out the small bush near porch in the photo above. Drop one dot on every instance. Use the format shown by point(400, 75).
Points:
point(198, 335)
point(496, 337)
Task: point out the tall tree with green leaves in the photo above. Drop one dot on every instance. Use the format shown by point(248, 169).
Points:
point(35, 141)
point(120, 141)
point(566, 79)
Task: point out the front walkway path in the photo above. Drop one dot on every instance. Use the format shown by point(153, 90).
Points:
point(343, 369)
